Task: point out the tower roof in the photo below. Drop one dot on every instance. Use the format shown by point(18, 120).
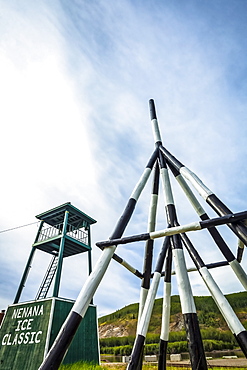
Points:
point(55, 216)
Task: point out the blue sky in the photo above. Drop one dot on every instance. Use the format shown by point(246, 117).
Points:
point(76, 77)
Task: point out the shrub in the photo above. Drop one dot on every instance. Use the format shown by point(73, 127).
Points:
point(177, 336)
point(212, 345)
point(117, 341)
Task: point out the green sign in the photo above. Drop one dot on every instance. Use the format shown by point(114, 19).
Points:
point(23, 335)
point(29, 329)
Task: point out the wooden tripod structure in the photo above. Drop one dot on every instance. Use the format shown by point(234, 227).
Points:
point(175, 240)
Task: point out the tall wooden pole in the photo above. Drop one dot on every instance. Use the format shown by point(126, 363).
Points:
point(196, 351)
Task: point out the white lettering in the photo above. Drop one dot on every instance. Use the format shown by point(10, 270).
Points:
point(14, 315)
point(18, 325)
point(15, 340)
point(26, 338)
point(20, 314)
point(28, 311)
point(9, 342)
point(41, 312)
point(29, 326)
point(31, 340)
point(35, 310)
point(20, 340)
point(23, 327)
point(4, 341)
point(25, 311)
point(24, 324)
point(36, 336)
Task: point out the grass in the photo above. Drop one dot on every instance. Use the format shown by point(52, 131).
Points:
point(86, 366)
point(81, 366)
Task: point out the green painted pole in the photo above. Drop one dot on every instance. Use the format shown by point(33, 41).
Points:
point(24, 276)
point(28, 266)
point(60, 256)
point(89, 256)
point(89, 252)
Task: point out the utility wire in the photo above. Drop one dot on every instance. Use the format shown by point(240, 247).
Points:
point(18, 227)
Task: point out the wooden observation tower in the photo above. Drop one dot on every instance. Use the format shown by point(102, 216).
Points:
point(30, 328)
point(64, 231)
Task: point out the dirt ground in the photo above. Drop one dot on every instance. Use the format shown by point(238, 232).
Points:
point(221, 362)
point(230, 362)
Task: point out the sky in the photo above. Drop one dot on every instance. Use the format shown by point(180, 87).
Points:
point(76, 77)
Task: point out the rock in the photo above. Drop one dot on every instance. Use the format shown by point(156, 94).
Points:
point(109, 330)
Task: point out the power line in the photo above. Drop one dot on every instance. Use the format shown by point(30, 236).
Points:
point(18, 227)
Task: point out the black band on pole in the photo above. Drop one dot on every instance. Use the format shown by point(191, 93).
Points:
point(58, 352)
point(171, 215)
point(240, 252)
point(137, 352)
point(173, 169)
point(156, 180)
point(216, 264)
point(225, 219)
point(120, 260)
point(162, 161)
point(162, 254)
point(168, 266)
point(170, 158)
point(195, 344)
point(152, 109)
point(117, 258)
point(162, 354)
point(124, 219)
point(242, 341)
point(152, 159)
point(176, 242)
point(147, 264)
point(124, 240)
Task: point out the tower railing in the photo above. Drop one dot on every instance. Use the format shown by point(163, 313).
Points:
point(52, 231)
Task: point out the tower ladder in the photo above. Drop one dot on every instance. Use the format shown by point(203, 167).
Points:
point(46, 283)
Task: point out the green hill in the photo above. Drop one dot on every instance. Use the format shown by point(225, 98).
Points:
point(117, 330)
